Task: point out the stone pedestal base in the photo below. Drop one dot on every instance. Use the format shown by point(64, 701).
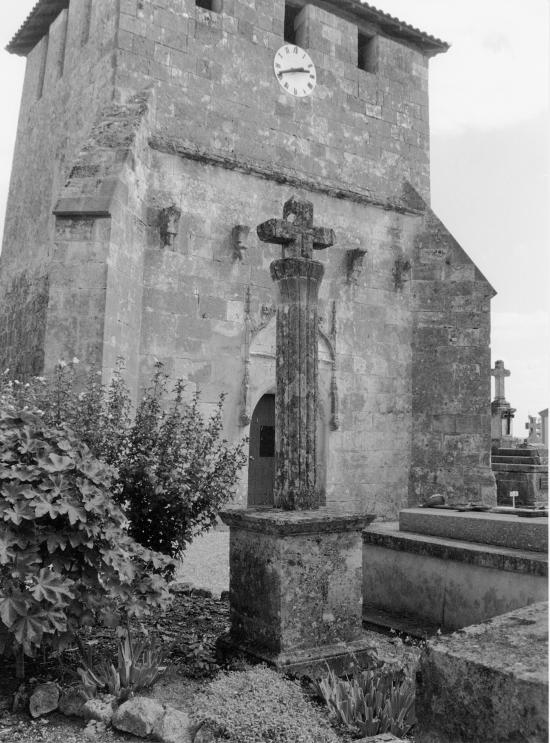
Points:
point(295, 588)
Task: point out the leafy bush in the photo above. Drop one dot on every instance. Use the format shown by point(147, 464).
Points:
point(370, 702)
point(139, 664)
point(177, 471)
point(66, 558)
point(174, 471)
point(259, 705)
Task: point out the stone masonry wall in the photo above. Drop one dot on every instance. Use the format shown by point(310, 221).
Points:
point(197, 297)
point(68, 78)
point(450, 385)
point(199, 122)
point(217, 92)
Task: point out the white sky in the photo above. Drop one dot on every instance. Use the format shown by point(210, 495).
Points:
point(490, 156)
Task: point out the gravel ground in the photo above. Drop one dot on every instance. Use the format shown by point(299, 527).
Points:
point(205, 563)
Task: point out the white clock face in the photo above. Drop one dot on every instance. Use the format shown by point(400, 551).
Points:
point(295, 71)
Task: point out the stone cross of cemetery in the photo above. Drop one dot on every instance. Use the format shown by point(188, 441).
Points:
point(298, 278)
point(500, 374)
point(296, 572)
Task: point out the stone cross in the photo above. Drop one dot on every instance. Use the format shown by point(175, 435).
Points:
point(298, 277)
point(499, 373)
point(295, 231)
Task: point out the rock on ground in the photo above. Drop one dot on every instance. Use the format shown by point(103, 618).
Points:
point(139, 716)
point(145, 717)
point(44, 699)
point(71, 703)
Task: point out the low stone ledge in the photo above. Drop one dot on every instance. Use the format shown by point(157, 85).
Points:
point(497, 529)
point(487, 682)
point(281, 523)
point(89, 206)
point(485, 556)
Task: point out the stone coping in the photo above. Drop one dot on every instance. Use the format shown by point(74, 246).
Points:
point(487, 682)
point(497, 529)
point(287, 523)
point(516, 642)
point(387, 535)
point(519, 467)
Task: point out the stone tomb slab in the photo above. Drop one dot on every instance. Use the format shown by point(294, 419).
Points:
point(487, 683)
point(422, 580)
point(295, 588)
point(497, 529)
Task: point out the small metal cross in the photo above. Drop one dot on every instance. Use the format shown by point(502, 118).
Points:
point(295, 231)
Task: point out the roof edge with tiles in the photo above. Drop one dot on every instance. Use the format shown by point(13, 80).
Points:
point(36, 26)
point(46, 11)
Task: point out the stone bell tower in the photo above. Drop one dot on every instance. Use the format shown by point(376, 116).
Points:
point(155, 136)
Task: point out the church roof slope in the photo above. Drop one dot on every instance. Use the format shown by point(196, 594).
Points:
point(45, 11)
point(36, 25)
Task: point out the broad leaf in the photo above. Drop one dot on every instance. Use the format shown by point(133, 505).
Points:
point(11, 608)
point(52, 587)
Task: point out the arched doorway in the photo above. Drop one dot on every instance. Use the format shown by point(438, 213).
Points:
point(261, 461)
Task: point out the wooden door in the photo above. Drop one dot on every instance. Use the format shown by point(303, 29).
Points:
point(261, 462)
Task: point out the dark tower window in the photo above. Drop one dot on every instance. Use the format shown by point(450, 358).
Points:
point(214, 5)
point(367, 58)
point(291, 12)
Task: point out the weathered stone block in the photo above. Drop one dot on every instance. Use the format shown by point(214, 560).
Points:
point(488, 682)
point(483, 528)
point(295, 585)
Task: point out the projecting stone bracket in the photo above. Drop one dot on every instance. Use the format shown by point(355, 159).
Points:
point(169, 220)
point(354, 264)
point(239, 237)
point(401, 268)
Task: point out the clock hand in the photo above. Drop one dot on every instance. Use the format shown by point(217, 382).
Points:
point(293, 69)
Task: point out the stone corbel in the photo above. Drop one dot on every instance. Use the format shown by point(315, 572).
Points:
point(239, 237)
point(169, 219)
point(401, 268)
point(354, 264)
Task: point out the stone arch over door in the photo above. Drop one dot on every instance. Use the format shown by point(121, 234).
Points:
point(261, 453)
point(261, 383)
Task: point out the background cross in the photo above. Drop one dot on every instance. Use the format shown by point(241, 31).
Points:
point(295, 231)
point(499, 373)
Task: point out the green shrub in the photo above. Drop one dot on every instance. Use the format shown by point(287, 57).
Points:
point(178, 471)
point(174, 471)
point(370, 702)
point(66, 558)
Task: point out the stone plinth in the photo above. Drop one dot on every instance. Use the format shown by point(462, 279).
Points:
point(487, 683)
point(417, 580)
point(497, 529)
point(521, 470)
point(295, 587)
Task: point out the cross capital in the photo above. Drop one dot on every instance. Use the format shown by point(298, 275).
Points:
point(499, 370)
point(295, 231)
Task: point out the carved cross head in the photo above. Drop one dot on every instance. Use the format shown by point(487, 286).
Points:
point(295, 231)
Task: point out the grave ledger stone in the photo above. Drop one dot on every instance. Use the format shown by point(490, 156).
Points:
point(295, 580)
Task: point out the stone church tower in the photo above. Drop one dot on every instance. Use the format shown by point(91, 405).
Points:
point(155, 135)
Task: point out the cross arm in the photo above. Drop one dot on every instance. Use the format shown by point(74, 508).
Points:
point(277, 231)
